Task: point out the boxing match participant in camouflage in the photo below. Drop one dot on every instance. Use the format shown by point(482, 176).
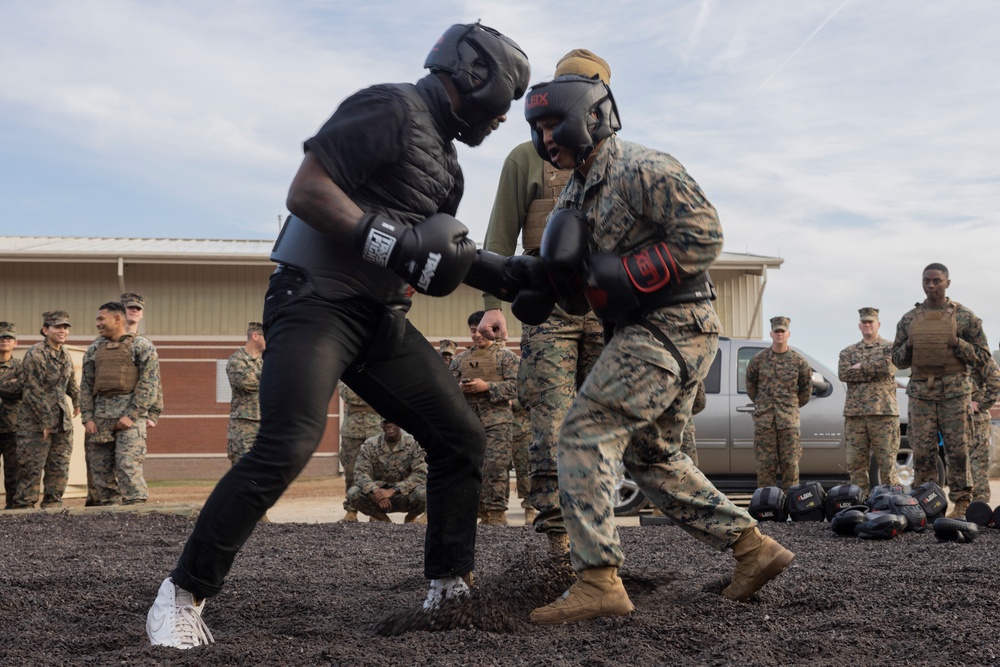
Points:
point(779, 382)
point(360, 422)
point(390, 475)
point(121, 377)
point(987, 390)
point(871, 413)
point(560, 352)
point(938, 341)
point(520, 442)
point(689, 444)
point(648, 237)
point(243, 370)
point(44, 422)
point(487, 375)
point(10, 402)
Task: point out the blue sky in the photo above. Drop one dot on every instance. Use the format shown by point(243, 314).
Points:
point(857, 140)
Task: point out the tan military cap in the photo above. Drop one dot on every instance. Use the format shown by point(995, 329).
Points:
point(255, 326)
point(447, 346)
point(584, 63)
point(868, 314)
point(133, 300)
point(52, 318)
point(780, 323)
point(7, 330)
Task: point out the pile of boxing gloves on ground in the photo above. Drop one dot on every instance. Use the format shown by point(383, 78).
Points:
point(886, 513)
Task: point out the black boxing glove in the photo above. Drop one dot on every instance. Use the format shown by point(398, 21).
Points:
point(564, 249)
point(614, 283)
point(433, 256)
point(521, 279)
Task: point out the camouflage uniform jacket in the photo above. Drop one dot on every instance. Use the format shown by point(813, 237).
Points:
point(779, 384)
point(157, 409)
point(871, 389)
point(499, 394)
point(243, 370)
point(972, 349)
point(134, 405)
point(46, 377)
point(987, 391)
point(359, 421)
point(401, 465)
point(10, 393)
point(634, 197)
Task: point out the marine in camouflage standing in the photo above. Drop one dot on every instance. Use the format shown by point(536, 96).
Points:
point(243, 370)
point(44, 420)
point(390, 475)
point(560, 352)
point(487, 375)
point(871, 412)
point(987, 390)
point(520, 443)
point(779, 382)
point(636, 230)
point(938, 341)
point(359, 422)
point(135, 310)
point(121, 376)
point(689, 444)
point(10, 402)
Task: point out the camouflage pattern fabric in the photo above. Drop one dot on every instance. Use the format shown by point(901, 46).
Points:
point(358, 424)
point(871, 412)
point(777, 452)
point(494, 411)
point(520, 441)
point(943, 405)
point(689, 444)
point(381, 464)
point(10, 402)
point(556, 357)
point(8, 455)
point(240, 437)
point(115, 467)
point(36, 455)
point(243, 370)
point(632, 408)
point(986, 380)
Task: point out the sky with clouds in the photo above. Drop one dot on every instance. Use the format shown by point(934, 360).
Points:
point(857, 140)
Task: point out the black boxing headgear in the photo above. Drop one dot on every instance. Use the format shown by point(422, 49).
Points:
point(586, 109)
point(489, 69)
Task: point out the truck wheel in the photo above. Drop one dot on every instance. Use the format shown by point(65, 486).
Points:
point(627, 498)
point(905, 471)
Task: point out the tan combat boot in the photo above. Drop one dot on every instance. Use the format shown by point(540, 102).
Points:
point(350, 517)
point(958, 512)
point(759, 559)
point(379, 515)
point(529, 516)
point(415, 517)
point(494, 518)
point(598, 592)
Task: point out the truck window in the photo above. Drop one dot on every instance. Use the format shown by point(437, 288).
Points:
point(743, 358)
point(713, 382)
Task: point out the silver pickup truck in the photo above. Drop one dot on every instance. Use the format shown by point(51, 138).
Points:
point(725, 430)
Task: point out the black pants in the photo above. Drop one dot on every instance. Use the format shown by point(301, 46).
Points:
point(311, 343)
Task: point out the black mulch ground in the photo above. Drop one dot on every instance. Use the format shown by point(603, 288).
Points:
point(74, 590)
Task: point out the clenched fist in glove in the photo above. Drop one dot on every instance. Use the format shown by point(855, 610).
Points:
point(615, 283)
point(520, 279)
point(564, 249)
point(433, 256)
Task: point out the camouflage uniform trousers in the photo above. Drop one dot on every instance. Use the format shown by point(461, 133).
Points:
point(520, 441)
point(867, 436)
point(979, 456)
point(349, 448)
point(8, 450)
point(496, 463)
point(241, 436)
point(633, 412)
point(116, 466)
point(413, 502)
point(35, 454)
point(556, 356)
point(950, 417)
point(777, 451)
point(689, 445)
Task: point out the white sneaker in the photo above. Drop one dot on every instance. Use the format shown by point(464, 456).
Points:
point(175, 620)
point(444, 589)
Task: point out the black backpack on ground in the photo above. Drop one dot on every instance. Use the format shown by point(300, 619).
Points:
point(805, 502)
point(768, 504)
point(932, 500)
point(841, 497)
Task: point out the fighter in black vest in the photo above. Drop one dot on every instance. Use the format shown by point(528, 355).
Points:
point(372, 209)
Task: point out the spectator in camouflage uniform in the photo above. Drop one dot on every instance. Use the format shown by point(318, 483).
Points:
point(243, 370)
point(121, 373)
point(520, 442)
point(689, 444)
point(44, 422)
point(987, 382)
point(135, 309)
point(638, 207)
point(447, 349)
point(560, 352)
point(487, 374)
point(359, 423)
point(938, 341)
point(390, 475)
point(779, 382)
point(10, 402)
point(871, 413)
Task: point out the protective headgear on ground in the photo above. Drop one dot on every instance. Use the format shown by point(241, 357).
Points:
point(845, 521)
point(880, 527)
point(585, 107)
point(488, 69)
point(955, 530)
